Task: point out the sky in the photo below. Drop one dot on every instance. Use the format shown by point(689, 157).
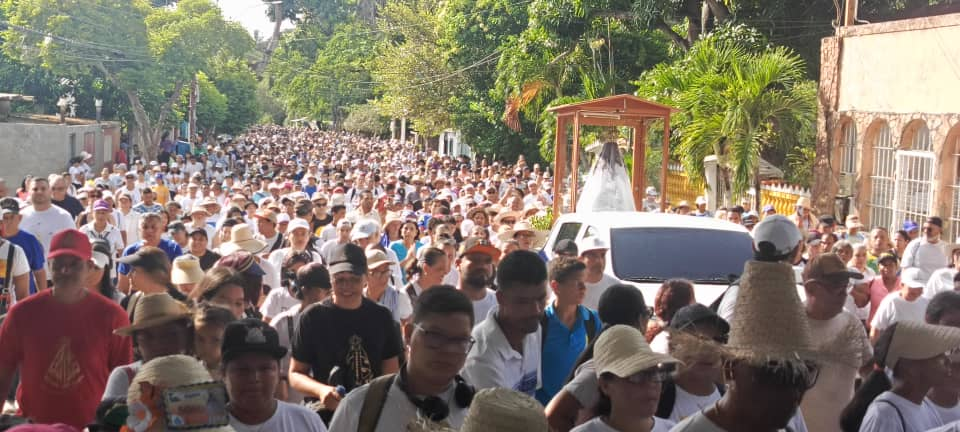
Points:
point(251, 14)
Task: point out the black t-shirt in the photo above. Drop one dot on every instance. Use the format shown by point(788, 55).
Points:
point(320, 223)
point(354, 341)
point(70, 204)
point(208, 260)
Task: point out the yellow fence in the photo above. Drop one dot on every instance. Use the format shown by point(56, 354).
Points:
point(782, 196)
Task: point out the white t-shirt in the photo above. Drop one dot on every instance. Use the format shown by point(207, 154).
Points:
point(110, 234)
point(729, 302)
point(131, 224)
point(397, 412)
point(44, 224)
point(119, 381)
point(894, 308)
point(278, 301)
point(952, 427)
point(846, 341)
point(19, 267)
point(287, 417)
point(595, 290)
point(927, 256)
point(940, 281)
point(661, 342)
point(284, 326)
point(585, 386)
point(687, 404)
point(482, 307)
point(947, 415)
point(700, 423)
point(492, 362)
point(597, 424)
point(891, 413)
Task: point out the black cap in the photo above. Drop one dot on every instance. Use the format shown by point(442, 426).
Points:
point(176, 227)
point(828, 220)
point(691, 315)
point(250, 335)
point(813, 238)
point(9, 205)
point(198, 230)
point(148, 258)
point(566, 246)
point(935, 220)
point(348, 258)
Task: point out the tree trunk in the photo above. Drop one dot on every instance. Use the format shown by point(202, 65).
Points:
point(148, 131)
point(680, 41)
point(719, 10)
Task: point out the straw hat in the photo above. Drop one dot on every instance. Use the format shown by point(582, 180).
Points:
point(504, 410)
point(145, 395)
point(507, 214)
point(915, 340)
point(519, 227)
point(376, 258)
point(153, 310)
point(770, 324)
point(241, 239)
point(623, 351)
point(186, 270)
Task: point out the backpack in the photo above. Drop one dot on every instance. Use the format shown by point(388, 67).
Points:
point(373, 402)
point(7, 280)
point(715, 306)
point(590, 324)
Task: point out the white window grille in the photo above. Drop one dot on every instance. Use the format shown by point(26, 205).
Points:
point(914, 191)
point(921, 139)
point(955, 210)
point(882, 179)
point(848, 148)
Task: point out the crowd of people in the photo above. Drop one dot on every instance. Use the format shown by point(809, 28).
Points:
point(301, 280)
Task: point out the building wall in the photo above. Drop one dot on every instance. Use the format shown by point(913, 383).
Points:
point(42, 149)
point(903, 75)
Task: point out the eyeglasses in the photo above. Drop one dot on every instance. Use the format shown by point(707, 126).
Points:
point(648, 376)
point(437, 340)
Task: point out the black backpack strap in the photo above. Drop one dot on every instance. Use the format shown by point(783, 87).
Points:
point(411, 292)
point(668, 397)
point(591, 324)
point(373, 402)
point(715, 306)
point(544, 325)
point(7, 279)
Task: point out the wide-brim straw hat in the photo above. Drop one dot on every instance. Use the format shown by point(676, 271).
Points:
point(522, 226)
point(506, 214)
point(916, 340)
point(504, 410)
point(153, 310)
point(186, 270)
point(242, 239)
point(623, 351)
point(165, 373)
point(770, 324)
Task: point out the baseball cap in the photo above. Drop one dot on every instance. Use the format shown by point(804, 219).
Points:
point(813, 238)
point(70, 242)
point(695, 313)
point(149, 258)
point(348, 258)
point(298, 223)
point(623, 351)
point(777, 231)
point(478, 245)
point(198, 230)
point(592, 243)
point(9, 205)
point(566, 246)
point(910, 225)
point(250, 335)
point(828, 266)
point(364, 229)
point(886, 256)
point(700, 200)
point(913, 277)
point(176, 227)
point(102, 205)
point(243, 262)
point(935, 220)
point(377, 258)
point(769, 208)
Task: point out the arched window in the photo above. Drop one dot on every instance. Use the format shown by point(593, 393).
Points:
point(848, 148)
point(882, 176)
point(915, 164)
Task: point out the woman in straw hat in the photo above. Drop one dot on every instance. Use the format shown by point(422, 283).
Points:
point(186, 273)
point(770, 358)
point(201, 407)
point(630, 375)
point(915, 353)
point(504, 410)
point(161, 326)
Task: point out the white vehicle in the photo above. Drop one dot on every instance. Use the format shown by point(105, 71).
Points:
point(647, 249)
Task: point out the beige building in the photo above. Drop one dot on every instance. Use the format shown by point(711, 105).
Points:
point(889, 123)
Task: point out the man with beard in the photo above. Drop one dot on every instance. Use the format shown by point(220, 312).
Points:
point(477, 256)
point(507, 352)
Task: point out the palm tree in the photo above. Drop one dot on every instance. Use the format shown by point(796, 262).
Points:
point(734, 104)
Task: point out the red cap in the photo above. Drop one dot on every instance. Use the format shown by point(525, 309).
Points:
point(70, 242)
point(338, 189)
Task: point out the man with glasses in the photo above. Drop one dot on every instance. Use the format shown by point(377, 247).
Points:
point(507, 352)
point(345, 342)
point(927, 252)
point(437, 340)
point(839, 333)
point(60, 198)
point(42, 218)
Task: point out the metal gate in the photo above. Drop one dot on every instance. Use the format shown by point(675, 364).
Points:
point(882, 180)
point(913, 194)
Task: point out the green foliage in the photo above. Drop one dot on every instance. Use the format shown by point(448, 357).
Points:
point(800, 164)
point(211, 108)
point(365, 118)
point(238, 84)
point(272, 110)
point(734, 104)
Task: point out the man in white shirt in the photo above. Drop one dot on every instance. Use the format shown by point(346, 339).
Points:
point(593, 253)
point(437, 340)
point(129, 219)
point(906, 304)
point(366, 209)
point(927, 252)
point(507, 352)
point(477, 256)
point(839, 335)
point(42, 218)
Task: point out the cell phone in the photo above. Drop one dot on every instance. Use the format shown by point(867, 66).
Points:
point(195, 406)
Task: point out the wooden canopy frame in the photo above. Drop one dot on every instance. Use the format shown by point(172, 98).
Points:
point(620, 110)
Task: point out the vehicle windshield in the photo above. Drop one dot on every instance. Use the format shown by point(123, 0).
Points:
point(658, 254)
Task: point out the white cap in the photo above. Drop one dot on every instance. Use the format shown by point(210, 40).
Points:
point(283, 217)
point(779, 231)
point(364, 229)
point(913, 277)
point(591, 243)
point(701, 200)
point(298, 223)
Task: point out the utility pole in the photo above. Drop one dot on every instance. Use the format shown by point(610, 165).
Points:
point(850, 13)
point(192, 114)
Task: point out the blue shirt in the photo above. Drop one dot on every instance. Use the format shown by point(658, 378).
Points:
point(172, 249)
point(143, 208)
point(34, 251)
point(561, 349)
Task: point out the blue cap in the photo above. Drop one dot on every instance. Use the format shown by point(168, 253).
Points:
point(910, 225)
point(769, 207)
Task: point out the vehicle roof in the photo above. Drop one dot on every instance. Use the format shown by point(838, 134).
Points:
point(633, 219)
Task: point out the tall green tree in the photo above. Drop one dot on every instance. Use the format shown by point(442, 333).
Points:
point(734, 104)
point(234, 79)
point(147, 53)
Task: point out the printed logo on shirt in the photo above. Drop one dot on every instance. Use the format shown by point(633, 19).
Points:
point(64, 371)
point(358, 362)
point(528, 384)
